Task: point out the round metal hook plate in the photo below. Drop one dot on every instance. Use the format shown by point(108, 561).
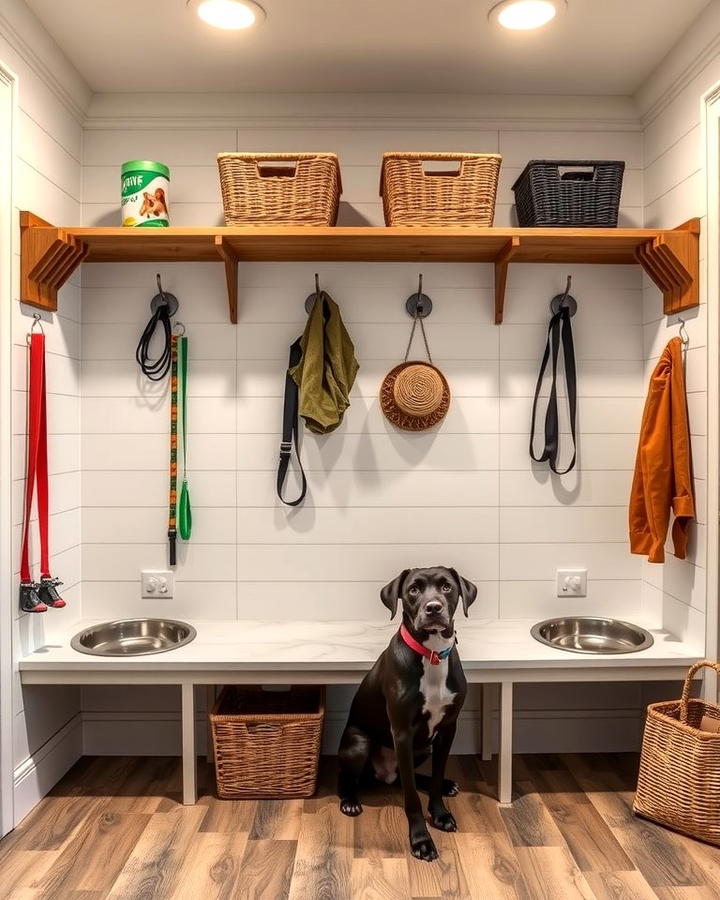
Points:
point(161, 299)
point(560, 300)
point(310, 302)
point(419, 305)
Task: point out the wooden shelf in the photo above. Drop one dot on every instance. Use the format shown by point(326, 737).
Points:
point(49, 255)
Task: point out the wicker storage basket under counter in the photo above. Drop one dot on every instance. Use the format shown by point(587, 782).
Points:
point(414, 196)
point(280, 188)
point(267, 743)
point(679, 781)
point(569, 193)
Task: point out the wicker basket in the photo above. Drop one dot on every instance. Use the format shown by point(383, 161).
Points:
point(412, 196)
point(679, 781)
point(587, 195)
point(267, 743)
point(257, 189)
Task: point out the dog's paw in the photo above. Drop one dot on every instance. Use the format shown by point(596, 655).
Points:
point(423, 847)
point(444, 821)
point(351, 807)
point(450, 788)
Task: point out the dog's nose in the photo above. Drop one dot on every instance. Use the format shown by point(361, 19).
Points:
point(433, 606)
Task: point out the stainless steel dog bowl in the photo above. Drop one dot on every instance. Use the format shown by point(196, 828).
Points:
point(133, 637)
point(586, 634)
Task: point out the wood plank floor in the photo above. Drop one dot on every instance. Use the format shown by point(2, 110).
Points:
point(115, 828)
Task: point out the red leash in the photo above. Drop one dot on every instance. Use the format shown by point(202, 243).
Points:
point(37, 596)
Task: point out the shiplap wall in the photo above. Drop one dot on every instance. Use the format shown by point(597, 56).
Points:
point(465, 493)
point(675, 190)
point(47, 180)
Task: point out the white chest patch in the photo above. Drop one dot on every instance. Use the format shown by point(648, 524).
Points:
point(433, 685)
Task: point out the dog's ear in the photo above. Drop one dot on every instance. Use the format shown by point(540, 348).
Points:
point(468, 590)
point(390, 594)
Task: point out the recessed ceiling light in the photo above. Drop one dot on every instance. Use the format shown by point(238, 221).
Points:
point(230, 15)
point(524, 15)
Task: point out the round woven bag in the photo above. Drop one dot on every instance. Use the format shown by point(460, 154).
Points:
point(415, 396)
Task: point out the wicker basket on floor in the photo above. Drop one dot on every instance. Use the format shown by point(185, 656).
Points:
point(413, 196)
point(280, 188)
point(267, 743)
point(679, 781)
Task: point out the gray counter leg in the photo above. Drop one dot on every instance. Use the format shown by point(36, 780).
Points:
point(506, 739)
point(488, 698)
point(189, 760)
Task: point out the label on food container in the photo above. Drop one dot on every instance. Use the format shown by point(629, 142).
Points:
point(144, 199)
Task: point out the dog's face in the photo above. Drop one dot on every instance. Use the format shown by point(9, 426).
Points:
point(429, 597)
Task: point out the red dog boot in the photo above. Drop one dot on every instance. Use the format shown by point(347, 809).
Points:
point(48, 592)
point(30, 601)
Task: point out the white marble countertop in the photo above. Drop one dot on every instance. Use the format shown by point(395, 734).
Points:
point(352, 646)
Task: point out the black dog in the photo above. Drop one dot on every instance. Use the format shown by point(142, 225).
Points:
point(408, 704)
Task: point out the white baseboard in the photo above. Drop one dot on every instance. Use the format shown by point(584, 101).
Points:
point(41, 771)
point(535, 731)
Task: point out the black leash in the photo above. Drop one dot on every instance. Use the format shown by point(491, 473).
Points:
point(290, 429)
point(164, 306)
point(559, 331)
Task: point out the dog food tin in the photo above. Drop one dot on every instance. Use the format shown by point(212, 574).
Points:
point(144, 198)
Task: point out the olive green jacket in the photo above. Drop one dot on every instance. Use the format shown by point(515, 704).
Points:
point(326, 372)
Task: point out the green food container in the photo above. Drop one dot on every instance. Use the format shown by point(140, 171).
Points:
point(144, 194)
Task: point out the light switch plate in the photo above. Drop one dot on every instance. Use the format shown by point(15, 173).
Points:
point(571, 582)
point(156, 583)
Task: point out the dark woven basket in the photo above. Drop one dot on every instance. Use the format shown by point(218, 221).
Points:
point(587, 195)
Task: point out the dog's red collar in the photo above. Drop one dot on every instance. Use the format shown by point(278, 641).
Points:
point(434, 656)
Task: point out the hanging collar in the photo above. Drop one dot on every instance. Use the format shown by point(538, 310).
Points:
point(435, 656)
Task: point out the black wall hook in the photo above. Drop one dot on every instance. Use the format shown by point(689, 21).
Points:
point(162, 298)
point(311, 298)
point(564, 301)
point(419, 305)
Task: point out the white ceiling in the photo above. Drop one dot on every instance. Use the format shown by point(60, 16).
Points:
point(596, 47)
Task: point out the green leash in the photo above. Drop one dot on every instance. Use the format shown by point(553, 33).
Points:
point(184, 519)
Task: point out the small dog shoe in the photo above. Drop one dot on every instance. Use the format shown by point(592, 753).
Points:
point(48, 592)
point(30, 601)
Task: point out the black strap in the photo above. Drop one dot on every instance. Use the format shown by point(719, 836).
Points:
point(559, 331)
point(290, 429)
point(155, 369)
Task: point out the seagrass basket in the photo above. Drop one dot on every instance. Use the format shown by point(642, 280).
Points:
point(280, 188)
point(679, 780)
point(414, 196)
point(267, 743)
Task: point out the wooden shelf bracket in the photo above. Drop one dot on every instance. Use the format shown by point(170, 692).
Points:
point(48, 258)
point(229, 257)
point(672, 262)
point(501, 269)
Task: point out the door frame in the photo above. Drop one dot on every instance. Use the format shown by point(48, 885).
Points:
point(710, 127)
point(8, 79)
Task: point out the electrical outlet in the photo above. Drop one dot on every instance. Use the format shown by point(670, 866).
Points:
point(157, 584)
point(571, 582)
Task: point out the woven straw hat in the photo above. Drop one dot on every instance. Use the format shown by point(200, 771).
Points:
point(415, 396)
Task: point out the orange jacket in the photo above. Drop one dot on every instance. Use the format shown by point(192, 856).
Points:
point(663, 467)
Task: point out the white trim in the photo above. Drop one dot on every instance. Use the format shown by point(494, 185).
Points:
point(39, 773)
point(73, 102)
point(7, 817)
point(483, 112)
point(710, 117)
point(158, 122)
point(678, 85)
